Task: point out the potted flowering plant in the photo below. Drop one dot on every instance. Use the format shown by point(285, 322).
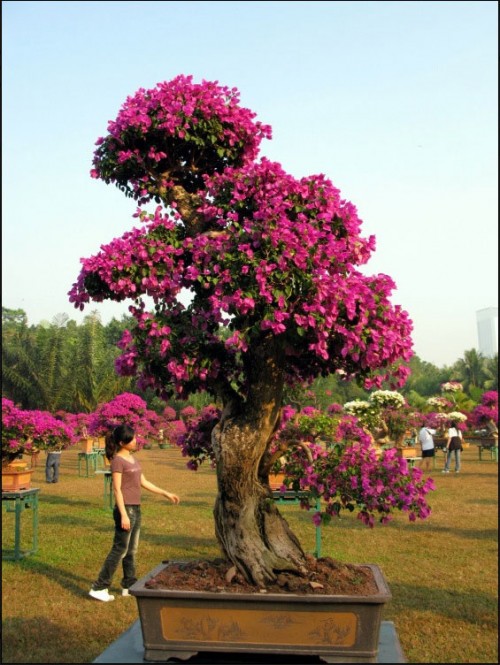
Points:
point(125, 408)
point(22, 432)
point(484, 416)
point(272, 263)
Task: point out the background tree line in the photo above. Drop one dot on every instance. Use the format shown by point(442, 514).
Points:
point(65, 366)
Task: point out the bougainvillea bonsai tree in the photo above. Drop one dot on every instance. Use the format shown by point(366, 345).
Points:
point(125, 408)
point(485, 414)
point(272, 264)
point(25, 431)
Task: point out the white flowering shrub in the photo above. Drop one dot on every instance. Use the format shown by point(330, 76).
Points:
point(387, 398)
point(366, 412)
point(451, 387)
point(439, 403)
point(457, 416)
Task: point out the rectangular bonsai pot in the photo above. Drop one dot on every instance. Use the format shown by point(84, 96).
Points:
point(337, 629)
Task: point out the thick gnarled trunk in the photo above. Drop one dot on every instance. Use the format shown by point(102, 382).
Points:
point(250, 529)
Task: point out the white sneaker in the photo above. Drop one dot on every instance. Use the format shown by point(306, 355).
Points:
point(102, 594)
point(445, 471)
point(125, 592)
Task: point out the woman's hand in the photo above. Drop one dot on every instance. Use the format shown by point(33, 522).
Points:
point(171, 497)
point(125, 522)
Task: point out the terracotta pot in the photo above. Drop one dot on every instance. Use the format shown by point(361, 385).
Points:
point(87, 445)
point(15, 479)
point(407, 451)
point(338, 629)
point(276, 480)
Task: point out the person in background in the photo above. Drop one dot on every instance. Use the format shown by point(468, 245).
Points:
point(127, 479)
point(492, 428)
point(52, 465)
point(426, 439)
point(453, 445)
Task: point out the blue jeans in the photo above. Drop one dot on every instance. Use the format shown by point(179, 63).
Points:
point(124, 549)
point(448, 460)
point(52, 467)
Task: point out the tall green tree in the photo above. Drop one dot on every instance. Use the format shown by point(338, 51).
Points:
point(95, 380)
point(470, 370)
point(35, 366)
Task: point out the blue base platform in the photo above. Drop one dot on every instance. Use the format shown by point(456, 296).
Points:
point(129, 648)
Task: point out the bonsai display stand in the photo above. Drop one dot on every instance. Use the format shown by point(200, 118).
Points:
point(108, 487)
point(90, 462)
point(18, 502)
point(129, 648)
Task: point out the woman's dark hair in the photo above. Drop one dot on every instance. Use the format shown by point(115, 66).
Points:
point(120, 435)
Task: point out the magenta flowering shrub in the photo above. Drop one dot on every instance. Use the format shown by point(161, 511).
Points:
point(259, 250)
point(351, 476)
point(169, 413)
point(333, 408)
point(180, 131)
point(196, 441)
point(187, 413)
point(79, 422)
point(173, 430)
point(129, 409)
point(24, 430)
point(487, 410)
point(401, 421)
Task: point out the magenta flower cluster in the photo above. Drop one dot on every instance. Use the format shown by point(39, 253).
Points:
point(196, 442)
point(261, 253)
point(24, 430)
point(180, 130)
point(129, 409)
point(349, 475)
point(487, 410)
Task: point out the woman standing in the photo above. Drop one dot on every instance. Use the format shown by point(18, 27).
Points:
point(426, 439)
point(127, 480)
point(453, 445)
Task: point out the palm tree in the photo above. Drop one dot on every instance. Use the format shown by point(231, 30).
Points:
point(95, 379)
point(34, 367)
point(470, 370)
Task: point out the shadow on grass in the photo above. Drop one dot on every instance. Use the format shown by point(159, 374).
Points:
point(477, 608)
point(483, 502)
point(355, 525)
point(63, 500)
point(66, 579)
point(19, 633)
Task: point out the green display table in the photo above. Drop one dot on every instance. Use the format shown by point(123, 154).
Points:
point(87, 463)
point(108, 488)
point(18, 502)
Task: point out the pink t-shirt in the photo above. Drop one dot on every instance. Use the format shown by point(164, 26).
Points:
point(131, 479)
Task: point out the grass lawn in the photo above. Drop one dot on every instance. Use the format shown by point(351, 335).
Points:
point(442, 572)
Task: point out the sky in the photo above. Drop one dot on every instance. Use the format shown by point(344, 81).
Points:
point(395, 102)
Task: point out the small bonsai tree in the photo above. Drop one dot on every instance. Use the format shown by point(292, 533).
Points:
point(272, 264)
point(125, 408)
point(25, 431)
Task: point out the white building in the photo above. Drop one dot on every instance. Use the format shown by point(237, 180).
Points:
point(487, 331)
